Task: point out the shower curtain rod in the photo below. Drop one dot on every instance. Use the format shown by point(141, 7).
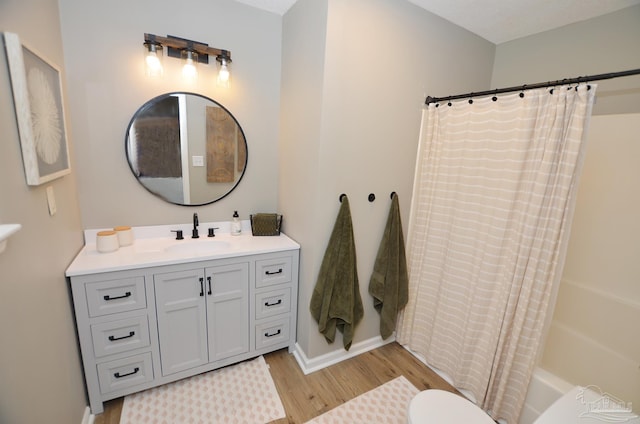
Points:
point(591, 78)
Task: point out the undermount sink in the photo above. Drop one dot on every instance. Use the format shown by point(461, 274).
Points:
point(198, 246)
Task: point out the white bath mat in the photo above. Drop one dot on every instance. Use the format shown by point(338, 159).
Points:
point(243, 393)
point(388, 404)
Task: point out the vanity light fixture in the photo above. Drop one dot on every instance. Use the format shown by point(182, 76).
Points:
point(153, 57)
point(192, 52)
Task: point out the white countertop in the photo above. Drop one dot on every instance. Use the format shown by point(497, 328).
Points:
point(157, 246)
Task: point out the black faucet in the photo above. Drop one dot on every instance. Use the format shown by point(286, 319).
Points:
point(194, 233)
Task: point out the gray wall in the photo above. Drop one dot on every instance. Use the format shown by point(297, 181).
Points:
point(605, 44)
point(593, 335)
point(303, 52)
point(355, 76)
point(40, 373)
point(104, 58)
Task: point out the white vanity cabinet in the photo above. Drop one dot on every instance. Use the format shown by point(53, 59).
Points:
point(161, 320)
point(203, 315)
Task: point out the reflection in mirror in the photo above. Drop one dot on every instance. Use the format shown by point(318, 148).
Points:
point(186, 149)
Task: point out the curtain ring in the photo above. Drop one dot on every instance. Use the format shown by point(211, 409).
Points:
point(449, 102)
point(494, 98)
point(522, 91)
point(470, 98)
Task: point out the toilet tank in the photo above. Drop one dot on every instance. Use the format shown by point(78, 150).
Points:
point(588, 405)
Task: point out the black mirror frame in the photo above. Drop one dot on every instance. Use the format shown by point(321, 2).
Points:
point(163, 96)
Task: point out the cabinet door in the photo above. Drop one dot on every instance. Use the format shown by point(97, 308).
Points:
point(228, 310)
point(180, 304)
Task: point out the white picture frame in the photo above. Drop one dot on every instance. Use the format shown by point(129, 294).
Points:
point(37, 95)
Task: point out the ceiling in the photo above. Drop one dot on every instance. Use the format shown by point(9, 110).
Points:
point(498, 21)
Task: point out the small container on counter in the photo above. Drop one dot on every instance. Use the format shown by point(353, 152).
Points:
point(125, 235)
point(236, 226)
point(107, 241)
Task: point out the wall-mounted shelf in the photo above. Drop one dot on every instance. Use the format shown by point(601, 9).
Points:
point(6, 231)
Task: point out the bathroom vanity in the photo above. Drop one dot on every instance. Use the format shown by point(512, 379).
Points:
point(164, 309)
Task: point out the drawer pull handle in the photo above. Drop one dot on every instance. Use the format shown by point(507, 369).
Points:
point(209, 291)
point(114, 338)
point(118, 375)
point(279, 271)
point(108, 298)
point(273, 334)
point(274, 303)
point(201, 286)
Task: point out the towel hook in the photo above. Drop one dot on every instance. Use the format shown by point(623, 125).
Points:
point(393, 193)
point(341, 196)
point(372, 197)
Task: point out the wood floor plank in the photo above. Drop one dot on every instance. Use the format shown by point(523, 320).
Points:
point(307, 396)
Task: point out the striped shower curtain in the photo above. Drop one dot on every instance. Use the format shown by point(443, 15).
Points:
point(493, 199)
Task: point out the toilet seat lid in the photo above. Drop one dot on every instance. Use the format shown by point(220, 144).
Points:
point(440, 406)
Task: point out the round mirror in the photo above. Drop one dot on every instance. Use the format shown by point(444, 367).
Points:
point(186, 149)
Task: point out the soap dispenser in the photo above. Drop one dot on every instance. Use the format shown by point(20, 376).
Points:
point(236, 226)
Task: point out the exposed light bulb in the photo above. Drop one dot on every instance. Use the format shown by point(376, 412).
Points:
point(223, 76)
point(223, 71)
point(189, 70)
point(154, 67)
point(152, 58)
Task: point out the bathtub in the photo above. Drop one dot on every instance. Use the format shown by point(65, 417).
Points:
point(544, 389)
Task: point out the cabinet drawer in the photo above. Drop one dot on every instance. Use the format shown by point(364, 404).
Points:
point(273, 271)
point(113, 296)
point(124, 373)
point(120, 336)
point(273, 303)
point(271, 333)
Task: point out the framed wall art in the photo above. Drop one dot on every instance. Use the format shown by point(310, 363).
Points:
point(37, 95)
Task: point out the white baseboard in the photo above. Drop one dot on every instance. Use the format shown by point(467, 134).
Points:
point(88, 417)
point(314, 364)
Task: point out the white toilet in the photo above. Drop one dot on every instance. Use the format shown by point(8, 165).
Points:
point(585, 404)
point(440, 406)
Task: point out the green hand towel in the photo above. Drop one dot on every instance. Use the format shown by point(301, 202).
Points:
point(265, 224)
point(336, 301)
point(389, 284)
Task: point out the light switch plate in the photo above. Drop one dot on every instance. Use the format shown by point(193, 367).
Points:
point(51, 201)
point(197, 160)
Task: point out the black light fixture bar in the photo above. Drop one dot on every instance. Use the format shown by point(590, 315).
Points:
point(175, 46)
